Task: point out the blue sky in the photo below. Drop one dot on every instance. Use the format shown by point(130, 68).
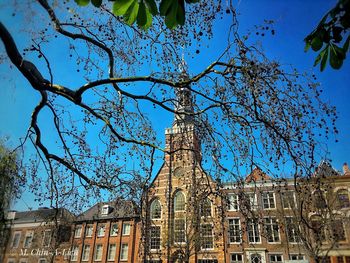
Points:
point(293, 20)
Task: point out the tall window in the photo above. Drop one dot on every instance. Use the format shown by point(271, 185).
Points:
point(47, 238)
point(28, 239)
point(253, 231)
point(179, 230)
point(89, 230)
point(155, 237)
point(268, 200)
point(179, 201)
point(291, 230)
point(126, 229)
point(86, 253)
point(101, 230)
point(124, 251)
point(255, 258)
point(205, 208)
point(156, 209)
point(296, 257)
point(338, 230)
point(77, 232)
point(272, 230)
point(98, 252)
point(343, 198)
point(288, 200)
point(74, 255)
point(233, 202)
point(114, 229)
point(234, 230)
point(249, 201)
point(15, 239)
point(207, 239)
point(111, 252)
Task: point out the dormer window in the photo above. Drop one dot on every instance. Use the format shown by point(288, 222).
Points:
point(105, 210)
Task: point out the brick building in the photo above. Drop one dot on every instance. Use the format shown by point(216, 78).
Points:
point(107, 232)
point(38, 236)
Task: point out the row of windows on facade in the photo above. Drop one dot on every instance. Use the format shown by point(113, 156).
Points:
point(101, 230)
point(29, 237)
point(270, 229)
point(248, 200)
point(47, 234)
point(179, 206)
point(268, 200)
point(111, 252)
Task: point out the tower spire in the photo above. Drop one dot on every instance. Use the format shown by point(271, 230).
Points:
point(184, 103)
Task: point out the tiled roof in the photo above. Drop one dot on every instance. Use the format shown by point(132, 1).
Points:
point(257, 176)
point(117, 209)
point(41, 215)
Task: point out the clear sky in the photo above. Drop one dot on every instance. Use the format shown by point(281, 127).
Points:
point(293, 20)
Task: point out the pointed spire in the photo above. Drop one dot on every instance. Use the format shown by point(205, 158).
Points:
point(184, 101)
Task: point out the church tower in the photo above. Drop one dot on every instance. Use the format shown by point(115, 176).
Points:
point(182, 217)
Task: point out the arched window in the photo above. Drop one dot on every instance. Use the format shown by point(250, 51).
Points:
point(156, 209)
point(179, 201)
point(205, 207)
point(343, 198)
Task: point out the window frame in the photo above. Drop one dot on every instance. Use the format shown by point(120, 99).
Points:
point(30, 235)
point(47, 232)
point(207, 237)
point(272, 223)
point(126, 230)
point(153, 207)
point(86, 256)
point(276, 255)
point(255, 230)
point(183, 231)
point(75, 253)
point(270, 201)
point(182, 205)
point(205, 208)
point(99, 227)
point(233, 202)
point(234, 230)
point(284, 194)
point(123, 245)
point(109, 252)
point(87, 230)
point(78, 231)
point(96, 250)
point(111, 233)
point(237, 261)
point(155, 239)
point(19, 234)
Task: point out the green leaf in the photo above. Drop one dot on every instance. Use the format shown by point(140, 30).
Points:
point(165, 6)
point(170, 18)
point(324, 58)
point(307, 46)
point(316, 43)
point(180, 14)
point(336, 59)
point(131, 14)
point(151, 4)
point(121, 6)
point(96, 3)
point(346, 45)
point(142, 16)
point(82, 2)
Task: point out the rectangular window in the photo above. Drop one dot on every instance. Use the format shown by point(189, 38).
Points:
point(340, 259)
point(179, 230)
point(28, 239)
point(253, 231)
point(77, 232)
point(155, 237)
point(42, 260)
point(86, 253)
point(250, 201)
point(236, 258)
point(272, 230)
point(207, 239)
point(268, 200)
point(126, 229)
point(89, 229)
point(47, 238)
point(98, 252)
point(23, 260)
point(276, 258)
point(114, 229)
point(101, 230)
point(124, 251)
point(288, 200)
point(15, 239)
point(75, 251)
point(111, 252)
point(296, 257)
point(11, 260)
point(292, 230)
point(234, 231)
point(233, 202)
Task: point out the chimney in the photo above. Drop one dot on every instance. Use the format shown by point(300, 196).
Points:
point(346, 169)
point(11, 215)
